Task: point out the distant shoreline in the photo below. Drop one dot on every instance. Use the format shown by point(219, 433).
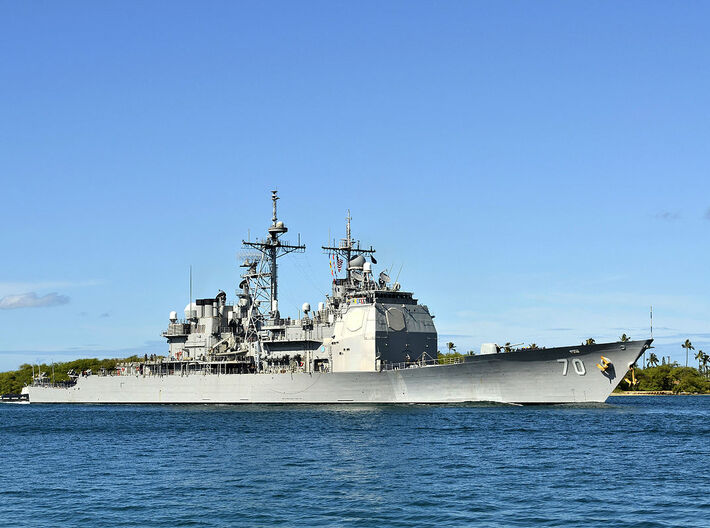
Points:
point(655, 393)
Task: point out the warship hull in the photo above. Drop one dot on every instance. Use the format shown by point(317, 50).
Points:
point(539, 376)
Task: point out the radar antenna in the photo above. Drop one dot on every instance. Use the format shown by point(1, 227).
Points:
point(271, 249)
point(348, 248)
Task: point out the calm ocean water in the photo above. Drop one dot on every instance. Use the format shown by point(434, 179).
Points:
point(638, 461)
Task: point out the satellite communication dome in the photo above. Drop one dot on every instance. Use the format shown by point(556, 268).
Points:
point(192, 307)
point(173, 316)
point(357, 262)
point(279, 227)
point(306, 307)
point(367, 267)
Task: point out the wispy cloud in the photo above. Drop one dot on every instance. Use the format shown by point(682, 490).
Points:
point(680, 302)
point(7, 288)
point(668, 216)
point(32, 300)
point(682, 336)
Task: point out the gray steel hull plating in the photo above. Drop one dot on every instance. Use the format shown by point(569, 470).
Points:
point(557, 375)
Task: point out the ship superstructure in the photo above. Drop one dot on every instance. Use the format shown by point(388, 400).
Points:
point(368, 341)
point(365, 324)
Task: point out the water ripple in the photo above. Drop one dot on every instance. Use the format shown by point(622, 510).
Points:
point(637, 462)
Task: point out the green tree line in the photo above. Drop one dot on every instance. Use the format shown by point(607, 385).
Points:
point(669, 378)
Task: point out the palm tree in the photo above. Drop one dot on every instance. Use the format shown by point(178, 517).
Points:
point(688, 346)
point(653, 360)
point(702, 358)
point(533, 346)
point(589, 341)
point(624, 338)
point(451, 347)
point(699, 358)
point(508, 347)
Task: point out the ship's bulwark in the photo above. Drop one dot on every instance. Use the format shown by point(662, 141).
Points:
point(555, 375)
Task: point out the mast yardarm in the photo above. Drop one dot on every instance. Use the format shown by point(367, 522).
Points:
point(348, 247)
point(272, 248)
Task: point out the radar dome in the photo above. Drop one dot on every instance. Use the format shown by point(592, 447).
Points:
point(190, 311)
point(306, 307)
point(357, 262)
point(173, 316)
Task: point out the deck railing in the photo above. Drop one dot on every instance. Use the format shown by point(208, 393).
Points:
point(217, 368)
point(423, 363)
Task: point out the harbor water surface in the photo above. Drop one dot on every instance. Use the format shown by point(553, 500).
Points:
point(635, 461)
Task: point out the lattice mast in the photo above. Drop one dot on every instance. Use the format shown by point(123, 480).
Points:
point(272, 248)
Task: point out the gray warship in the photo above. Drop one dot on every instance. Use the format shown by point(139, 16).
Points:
point(369, 341)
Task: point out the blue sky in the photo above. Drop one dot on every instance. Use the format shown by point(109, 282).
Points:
point(538, 170)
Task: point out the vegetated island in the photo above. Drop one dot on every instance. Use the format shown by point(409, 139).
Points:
point(664, 379)
point(667, 377)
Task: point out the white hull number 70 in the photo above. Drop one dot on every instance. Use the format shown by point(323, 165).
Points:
point(576, 363)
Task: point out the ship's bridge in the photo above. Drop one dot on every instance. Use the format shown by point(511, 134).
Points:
point(389, 296)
